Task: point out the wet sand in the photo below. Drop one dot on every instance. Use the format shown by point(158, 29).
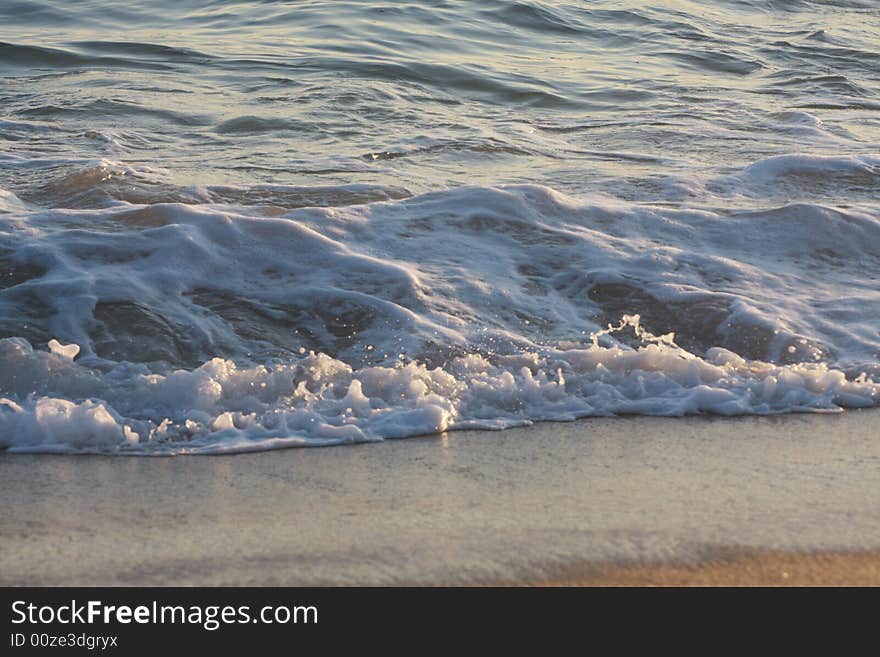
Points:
point(732, 567)
point(629, 501)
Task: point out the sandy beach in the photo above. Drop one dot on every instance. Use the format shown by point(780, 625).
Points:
point(786, 500)
point(260, 262)
point(734, 568)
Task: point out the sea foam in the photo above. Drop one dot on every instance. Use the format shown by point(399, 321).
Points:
point(170, 328)
point(318, 400)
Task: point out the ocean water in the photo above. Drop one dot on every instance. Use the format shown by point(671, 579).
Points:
point(230, 226)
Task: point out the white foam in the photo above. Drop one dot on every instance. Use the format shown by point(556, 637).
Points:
point(68, 351)
point(210, 327)
point(318, 400)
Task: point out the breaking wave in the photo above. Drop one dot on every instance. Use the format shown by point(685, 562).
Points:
point(200, 326)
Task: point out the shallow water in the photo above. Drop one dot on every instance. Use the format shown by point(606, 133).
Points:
point(269, 224)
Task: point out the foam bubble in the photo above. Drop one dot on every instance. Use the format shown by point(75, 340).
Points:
point(69, 351)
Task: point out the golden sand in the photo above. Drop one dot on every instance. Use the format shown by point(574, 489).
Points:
point(742, 568)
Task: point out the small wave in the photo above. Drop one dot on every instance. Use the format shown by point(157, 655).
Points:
point(802, 177)
point(115, 109)
point(9, 129)
point(95, 183)
point(815, 170)
point(836, 84)
point(290, 197)
point(258, 125)
point(425, 145)
point(715, 61)
point(17, 55)
point(491, 86)
point(156, 51)
point(536, 16)
point(473, 307)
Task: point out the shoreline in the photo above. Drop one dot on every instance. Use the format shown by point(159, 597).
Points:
point(601, 501)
